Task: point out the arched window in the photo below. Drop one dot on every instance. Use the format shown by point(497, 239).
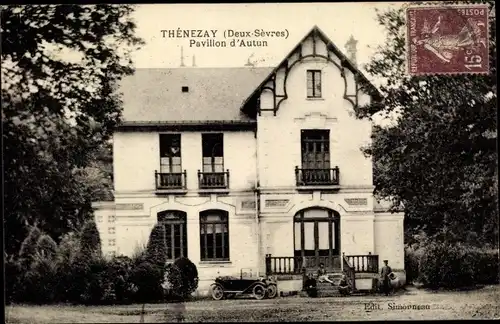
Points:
point(175, 238)
point(214, 235)
point(317, 237)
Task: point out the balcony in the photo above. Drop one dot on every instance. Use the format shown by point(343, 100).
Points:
point(170, 182)
point(213, 181)
point(317, 177)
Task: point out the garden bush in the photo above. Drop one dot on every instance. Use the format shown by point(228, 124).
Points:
point(90, 241)
point(488, 267)
point(147, 277)
point(156, 250)
point(452, 265)
point(120, 274)
point(182, 277)
point(13, 281)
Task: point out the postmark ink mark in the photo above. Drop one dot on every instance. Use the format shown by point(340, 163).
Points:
point(451, 39)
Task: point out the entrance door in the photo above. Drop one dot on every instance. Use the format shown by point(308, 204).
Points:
point(317, 238)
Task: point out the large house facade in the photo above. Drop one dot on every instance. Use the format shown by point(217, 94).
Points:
point(255, 170)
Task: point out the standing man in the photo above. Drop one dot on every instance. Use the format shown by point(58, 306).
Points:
point(384, 274)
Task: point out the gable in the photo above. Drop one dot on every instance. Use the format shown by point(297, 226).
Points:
point(315, 45)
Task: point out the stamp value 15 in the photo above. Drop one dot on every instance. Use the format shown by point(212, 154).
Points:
point(449, 39)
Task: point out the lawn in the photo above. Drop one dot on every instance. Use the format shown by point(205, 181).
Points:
point(475, 304)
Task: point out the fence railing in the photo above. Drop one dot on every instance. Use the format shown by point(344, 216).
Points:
point(349, 271)
point(296, 264)
point(316, 177)
point(213, 180)
point(364, 263)
point(276, 265)
point(170, 180)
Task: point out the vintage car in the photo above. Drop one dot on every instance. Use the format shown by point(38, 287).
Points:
point(229, 287)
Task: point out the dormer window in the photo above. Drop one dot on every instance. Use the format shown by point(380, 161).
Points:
point(185, 89)
point(313, 84)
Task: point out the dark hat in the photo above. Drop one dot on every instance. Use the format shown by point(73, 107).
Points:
point(386, 260)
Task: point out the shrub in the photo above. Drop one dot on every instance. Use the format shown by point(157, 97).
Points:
point(94, 283)
point(28, 248)
point(156, 249)
point(456, 265)
point(13, 273)
point(40, 281)
point(412, 257)
point(120, 274)
point(90, 242)
point(182, 277)
point(46, 246)
point(147, 278)
point(488, 267)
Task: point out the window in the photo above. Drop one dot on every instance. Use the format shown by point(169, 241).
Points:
point(213, 153)
point(214, 235)
point(111, 230)
point(170, 153)
point(315, 149)
point(313, 84)
point(175, 233)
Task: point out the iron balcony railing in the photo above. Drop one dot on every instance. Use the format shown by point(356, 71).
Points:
point(213, 180)
point(166, 181)
point(317, 177)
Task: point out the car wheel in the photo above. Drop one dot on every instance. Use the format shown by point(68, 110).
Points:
point(272, 291)
point(217, 292)
point(259, 291)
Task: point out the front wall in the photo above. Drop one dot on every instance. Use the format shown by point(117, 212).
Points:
point(278, 150)
point(277, 221)
point(279, 136)
point(136, 156)
point(135, 218)
point(389, 239)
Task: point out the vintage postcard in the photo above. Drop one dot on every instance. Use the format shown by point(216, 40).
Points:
point(250, 162)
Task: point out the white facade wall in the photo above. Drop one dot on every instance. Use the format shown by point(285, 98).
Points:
point(264, 160)
point(136, 156)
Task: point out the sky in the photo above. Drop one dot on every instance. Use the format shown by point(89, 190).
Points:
point(337, 20)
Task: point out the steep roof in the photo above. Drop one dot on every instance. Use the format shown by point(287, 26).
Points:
point(214, 94)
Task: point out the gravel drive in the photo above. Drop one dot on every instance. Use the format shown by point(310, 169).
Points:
point(413, 304)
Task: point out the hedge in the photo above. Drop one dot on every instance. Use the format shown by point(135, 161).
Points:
point(437, 264)
point(72, 272)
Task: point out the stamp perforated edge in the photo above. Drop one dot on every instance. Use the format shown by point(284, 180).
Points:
point(433, 6)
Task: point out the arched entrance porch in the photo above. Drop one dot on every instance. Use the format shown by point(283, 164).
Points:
point(317, 238)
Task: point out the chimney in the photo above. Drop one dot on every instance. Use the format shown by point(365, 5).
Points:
point(194, 60)
point(248, 63)
point(182, 56)
point(351, 49)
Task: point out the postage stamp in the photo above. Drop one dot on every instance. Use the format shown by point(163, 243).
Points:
point(451, 39)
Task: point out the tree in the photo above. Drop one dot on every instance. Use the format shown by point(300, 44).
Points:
point(60, 66)
point(29, 245)
point(90, 241)
point(439, 159)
